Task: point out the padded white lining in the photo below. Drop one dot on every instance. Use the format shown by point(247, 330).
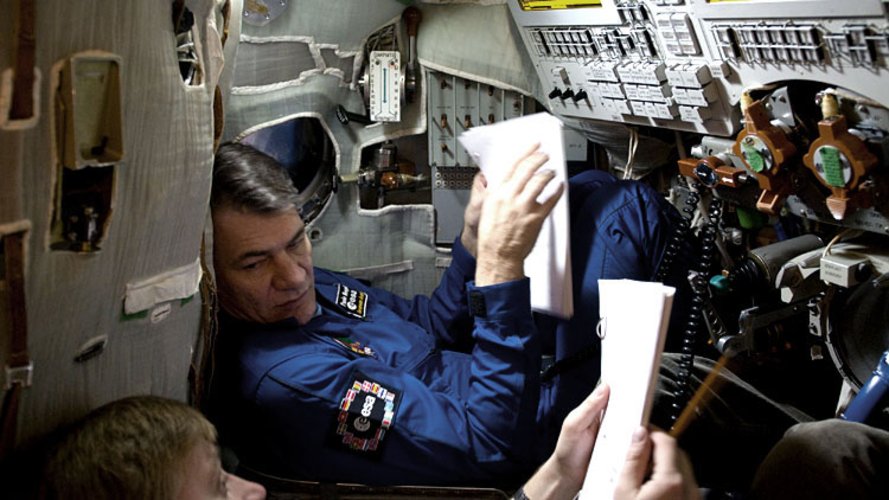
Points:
point(179, 283)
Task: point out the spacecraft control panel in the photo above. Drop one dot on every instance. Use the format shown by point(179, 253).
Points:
point(778, 111)
point(683, 64)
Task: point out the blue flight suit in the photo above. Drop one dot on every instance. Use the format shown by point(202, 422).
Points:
point(370, 390)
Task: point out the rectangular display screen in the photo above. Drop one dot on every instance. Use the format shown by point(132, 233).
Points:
point(558, 4)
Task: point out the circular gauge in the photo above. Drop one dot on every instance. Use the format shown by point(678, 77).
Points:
point(833, 166)
point(756, 153)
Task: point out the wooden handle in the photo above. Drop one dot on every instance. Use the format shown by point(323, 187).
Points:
point(22, 106)
point(412, 17)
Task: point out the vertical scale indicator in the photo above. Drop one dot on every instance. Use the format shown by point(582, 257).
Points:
point(385, 86)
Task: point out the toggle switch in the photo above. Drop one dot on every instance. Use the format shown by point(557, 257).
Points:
point(560, 72)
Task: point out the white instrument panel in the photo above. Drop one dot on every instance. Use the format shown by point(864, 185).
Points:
point(683, 64)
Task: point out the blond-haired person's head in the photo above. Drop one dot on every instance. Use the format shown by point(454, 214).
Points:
point(142, 447)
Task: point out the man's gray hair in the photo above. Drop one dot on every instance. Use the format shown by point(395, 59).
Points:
point(247, 179)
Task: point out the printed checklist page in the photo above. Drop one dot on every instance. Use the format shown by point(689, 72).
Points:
point(633, 327)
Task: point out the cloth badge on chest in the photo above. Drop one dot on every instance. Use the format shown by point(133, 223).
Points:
point(367, 411)
point(351, 302)
point(356, 347)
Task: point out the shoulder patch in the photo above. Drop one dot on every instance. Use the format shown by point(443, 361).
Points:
point(366, 413)
point(352, 302)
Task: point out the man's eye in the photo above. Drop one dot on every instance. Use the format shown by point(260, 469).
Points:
point(250, 266)
point(296, 244)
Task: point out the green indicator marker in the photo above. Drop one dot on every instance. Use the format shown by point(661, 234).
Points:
point(833, 166)
point(754, 159)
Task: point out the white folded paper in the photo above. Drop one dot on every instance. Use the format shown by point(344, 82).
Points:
point(496, 147)
point(633, 327)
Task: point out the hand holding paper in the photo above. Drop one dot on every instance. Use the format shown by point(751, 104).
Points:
point(511, 218)
point(653, 469)
point(498, 147)
point(633, 328)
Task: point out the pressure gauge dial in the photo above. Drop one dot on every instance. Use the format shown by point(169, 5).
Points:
point(384, 75)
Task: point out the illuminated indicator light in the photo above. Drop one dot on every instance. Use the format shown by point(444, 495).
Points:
point(754, 159)
point(558, 4)
point(832, 164)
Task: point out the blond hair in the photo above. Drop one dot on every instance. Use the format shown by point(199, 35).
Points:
point(132, 448)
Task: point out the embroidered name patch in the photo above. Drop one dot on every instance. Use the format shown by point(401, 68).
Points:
point(352, 302)
point(366, 413)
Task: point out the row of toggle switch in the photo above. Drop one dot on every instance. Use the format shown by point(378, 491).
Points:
point(568, 93)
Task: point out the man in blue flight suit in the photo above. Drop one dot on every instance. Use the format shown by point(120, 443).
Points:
point(321, 377)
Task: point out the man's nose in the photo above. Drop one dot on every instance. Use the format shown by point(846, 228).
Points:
point(288, 273)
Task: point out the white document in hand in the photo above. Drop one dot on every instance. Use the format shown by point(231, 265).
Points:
point(495, 148)
point(633, 327)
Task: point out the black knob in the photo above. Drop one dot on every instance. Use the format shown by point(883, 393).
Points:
point(568, 93)
point(345, 117)
point(580, 95)
point(555, 93)
point(705, 174)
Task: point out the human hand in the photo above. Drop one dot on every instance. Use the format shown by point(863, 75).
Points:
point(562, 475)
point(511, 218)
point(472, 214)
point(578, 436)
point(671, 475)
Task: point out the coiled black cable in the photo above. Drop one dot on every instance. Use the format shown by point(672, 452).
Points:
point(680, 233)
point(699, 285)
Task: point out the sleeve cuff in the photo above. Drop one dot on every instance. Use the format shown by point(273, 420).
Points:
point(503, 300)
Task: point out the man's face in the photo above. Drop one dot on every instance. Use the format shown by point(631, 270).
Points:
point(204, 479)
point(263, 265)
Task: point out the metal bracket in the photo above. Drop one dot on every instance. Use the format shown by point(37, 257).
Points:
point(752, 319)
point(19, 375)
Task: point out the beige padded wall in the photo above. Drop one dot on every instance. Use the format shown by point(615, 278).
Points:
point(478, 43)
point(11, 175)
point(160, 204)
